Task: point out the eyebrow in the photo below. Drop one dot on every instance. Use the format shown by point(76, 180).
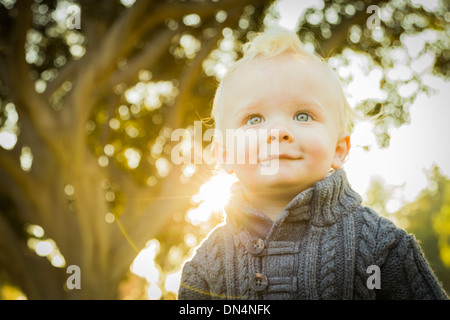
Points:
point(246, 108)
point(314, 102)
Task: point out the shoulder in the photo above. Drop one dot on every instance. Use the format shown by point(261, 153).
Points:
point(202, 274)
point(212, 246)
point(378, 235)
point(214, 240)
point(373, 224)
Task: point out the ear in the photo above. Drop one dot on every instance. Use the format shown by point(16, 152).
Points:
point(220, 155)
point(341, 152)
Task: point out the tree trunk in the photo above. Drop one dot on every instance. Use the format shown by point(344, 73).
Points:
point(65, 192)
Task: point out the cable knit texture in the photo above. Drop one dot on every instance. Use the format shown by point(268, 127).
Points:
point(320, 247)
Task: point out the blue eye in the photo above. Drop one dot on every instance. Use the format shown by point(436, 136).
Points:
point(302, 117)
point(254, 120)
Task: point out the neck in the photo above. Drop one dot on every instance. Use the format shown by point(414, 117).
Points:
point(271, 204)
point(329, 200)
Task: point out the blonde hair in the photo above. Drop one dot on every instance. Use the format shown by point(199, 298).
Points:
point(274, 42)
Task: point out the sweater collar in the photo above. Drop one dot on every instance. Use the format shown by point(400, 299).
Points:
point(323, 204)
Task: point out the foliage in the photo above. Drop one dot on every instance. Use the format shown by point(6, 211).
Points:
point(87, 116)
point(382, 32)
point(427, 218)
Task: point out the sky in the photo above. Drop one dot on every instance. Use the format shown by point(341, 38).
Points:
point(414, 147)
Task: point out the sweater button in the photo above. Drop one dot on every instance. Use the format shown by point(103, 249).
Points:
point(259, 282)
point(256, 246)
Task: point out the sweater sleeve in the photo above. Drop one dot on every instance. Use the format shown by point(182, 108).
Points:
point(193, 284)
point(406, 275)
point(204, 270)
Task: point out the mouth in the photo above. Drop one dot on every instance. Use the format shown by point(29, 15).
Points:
point(280, 157)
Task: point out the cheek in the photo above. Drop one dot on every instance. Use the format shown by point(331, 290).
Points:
point(319, 147)
point(247, 174)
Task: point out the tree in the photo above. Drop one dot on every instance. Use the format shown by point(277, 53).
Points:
point(93, 110)
point(380, 31)
point(86, 137)
point(429, 220)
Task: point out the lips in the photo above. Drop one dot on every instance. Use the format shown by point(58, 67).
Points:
point(280, 156)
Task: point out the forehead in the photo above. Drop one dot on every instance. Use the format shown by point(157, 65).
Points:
point(277, 79)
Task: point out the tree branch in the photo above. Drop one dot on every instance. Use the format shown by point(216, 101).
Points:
point(22, 88)
point(193, 72)
point(146, 57)
point(120, 41)
point(98, 65)
point(114, 44)
point(159, 14)
point(339, 38)
point(188, 79)
point(64, 74)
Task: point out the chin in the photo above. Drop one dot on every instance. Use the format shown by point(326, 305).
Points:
point(284, 182)
point(285, 175)
point(289, 180)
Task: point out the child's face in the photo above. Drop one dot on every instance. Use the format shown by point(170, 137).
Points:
point(294, 95)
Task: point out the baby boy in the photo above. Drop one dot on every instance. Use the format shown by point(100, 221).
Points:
point(301, 231)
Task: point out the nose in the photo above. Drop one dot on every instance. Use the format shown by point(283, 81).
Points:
point(280, 134)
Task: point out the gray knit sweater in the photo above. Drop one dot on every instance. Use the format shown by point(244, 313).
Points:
point(321, 247)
